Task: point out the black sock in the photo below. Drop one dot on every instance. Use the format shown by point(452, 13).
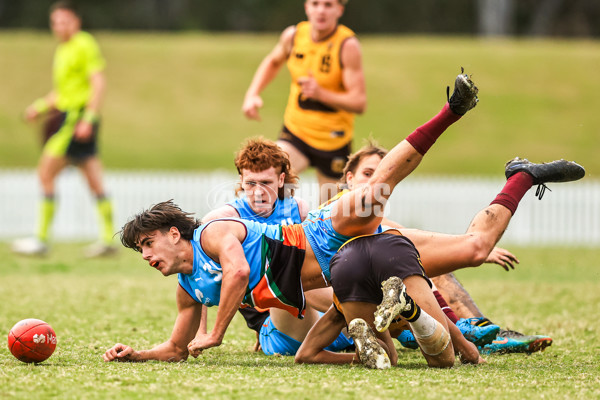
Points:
point(414, 312)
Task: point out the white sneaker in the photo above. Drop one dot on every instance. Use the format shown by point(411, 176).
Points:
point(96, 250)
point(31, 246)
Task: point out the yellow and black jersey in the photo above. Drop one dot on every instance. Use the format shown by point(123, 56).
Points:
point(318, 124)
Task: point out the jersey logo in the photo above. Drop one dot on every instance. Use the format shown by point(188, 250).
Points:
point(337, 165)
point(325, 63)
point(213, 269)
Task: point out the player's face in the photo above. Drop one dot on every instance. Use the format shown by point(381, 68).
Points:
point(364, 171)
point(261, 189)
point(64, 24)
point(323, 14)
point(159, 250)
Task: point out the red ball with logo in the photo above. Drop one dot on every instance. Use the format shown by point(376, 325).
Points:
point(32, 340)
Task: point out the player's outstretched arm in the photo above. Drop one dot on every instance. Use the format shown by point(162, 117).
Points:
point(221, 241)
point(174, 349)
point(266, 72)
point(321, 335)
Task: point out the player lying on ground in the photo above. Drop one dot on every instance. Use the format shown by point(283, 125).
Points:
point(230, 262)
point(362, 266)
point(462, 309)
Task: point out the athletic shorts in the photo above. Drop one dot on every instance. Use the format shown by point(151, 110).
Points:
point(329, 163)
point(363, 263)
point(59, 141)
point(273, 341)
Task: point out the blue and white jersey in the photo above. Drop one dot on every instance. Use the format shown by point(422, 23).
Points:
point(323, 239)
point(204, 283)
point(285, 212)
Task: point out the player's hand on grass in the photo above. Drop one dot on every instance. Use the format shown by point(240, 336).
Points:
point(257, 346)
point(251, 106)
point(119, 352)
point(502, 257)
point(201, 342)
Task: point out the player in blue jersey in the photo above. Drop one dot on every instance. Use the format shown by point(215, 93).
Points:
point(231, 262)
point(265, 194)
point(266, 189)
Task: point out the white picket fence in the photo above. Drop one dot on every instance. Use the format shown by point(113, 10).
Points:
point(569, 215)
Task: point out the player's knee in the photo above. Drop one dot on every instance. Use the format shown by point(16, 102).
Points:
point(478, 250)
point(444, 360)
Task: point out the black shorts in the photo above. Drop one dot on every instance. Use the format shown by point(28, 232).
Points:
point(329, 163)
point(361, 265)
point(76, 151)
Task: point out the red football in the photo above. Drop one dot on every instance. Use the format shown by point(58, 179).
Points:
point(32, 340)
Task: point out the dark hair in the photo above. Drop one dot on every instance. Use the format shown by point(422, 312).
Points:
point(370, 148)
point(259, 154)
point(161, 217)
point(65, 5)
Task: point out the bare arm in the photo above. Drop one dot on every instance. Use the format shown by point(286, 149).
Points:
point(83, 130)
point(321, 335)
point(222, 242)
point(40, 106)
point(174, 349)
point(303, 208)
point(354, 97)
point(266, 72)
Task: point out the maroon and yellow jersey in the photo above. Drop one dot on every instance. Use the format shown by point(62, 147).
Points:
point(318, 125)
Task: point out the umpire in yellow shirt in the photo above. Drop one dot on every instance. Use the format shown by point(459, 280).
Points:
point(72, 111)
point(327, 90)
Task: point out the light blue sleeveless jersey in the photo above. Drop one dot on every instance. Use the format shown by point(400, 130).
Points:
point(285, 212)
point(323, 239)
point(204, 283)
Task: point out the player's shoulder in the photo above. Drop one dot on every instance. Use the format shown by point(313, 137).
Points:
point(287, 35)
point(344, 30)
point(229, 210)
point(84, 38)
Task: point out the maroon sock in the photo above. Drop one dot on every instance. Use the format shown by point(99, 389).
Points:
point(513, 191)
point(445, 307)
point(425, 136)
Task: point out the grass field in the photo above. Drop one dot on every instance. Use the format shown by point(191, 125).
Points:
point(174, 103)
point(94, 304)
point(174, 99)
